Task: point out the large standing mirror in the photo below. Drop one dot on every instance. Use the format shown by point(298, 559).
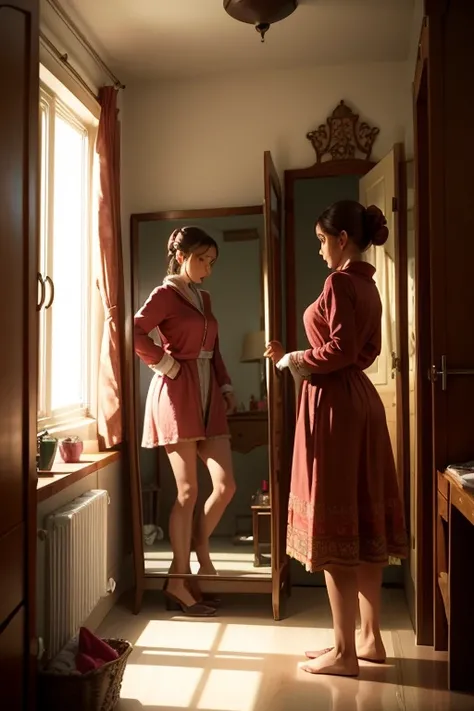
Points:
point(245, 542)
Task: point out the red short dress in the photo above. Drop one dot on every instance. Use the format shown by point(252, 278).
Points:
point(185, 399)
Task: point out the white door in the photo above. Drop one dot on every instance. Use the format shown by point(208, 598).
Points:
point(379, 187)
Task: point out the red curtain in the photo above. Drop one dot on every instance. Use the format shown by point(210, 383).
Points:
point(110, 278)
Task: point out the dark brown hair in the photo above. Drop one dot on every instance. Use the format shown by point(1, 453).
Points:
point(187, 240)
point(364, 226)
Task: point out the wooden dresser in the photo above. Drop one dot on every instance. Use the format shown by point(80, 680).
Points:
point(248, 430)
point(454, 580)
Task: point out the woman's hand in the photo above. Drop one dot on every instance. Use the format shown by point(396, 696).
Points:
point(275, 351)
point(230, 403)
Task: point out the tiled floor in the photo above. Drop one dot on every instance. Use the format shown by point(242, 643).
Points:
point(244, 661)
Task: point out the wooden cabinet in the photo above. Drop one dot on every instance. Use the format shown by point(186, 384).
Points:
point(12, 663)
point(444, 156)
point(19, 188)
point(454, 578)
point(248, 430)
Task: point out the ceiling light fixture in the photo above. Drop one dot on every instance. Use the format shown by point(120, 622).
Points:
point(260, 13)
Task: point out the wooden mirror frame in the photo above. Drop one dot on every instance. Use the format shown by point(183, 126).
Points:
point(342, 138)
point(142, 579)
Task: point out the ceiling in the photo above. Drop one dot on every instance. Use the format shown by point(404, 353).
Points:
point(168, 39)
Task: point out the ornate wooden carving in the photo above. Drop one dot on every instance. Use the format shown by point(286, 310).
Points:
point(342, 137)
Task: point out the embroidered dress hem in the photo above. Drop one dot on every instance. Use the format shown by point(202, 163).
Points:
point(322, 562)
point(341, 543)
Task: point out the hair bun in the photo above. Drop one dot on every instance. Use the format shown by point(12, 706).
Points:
point(376, 225)
point(173, 242)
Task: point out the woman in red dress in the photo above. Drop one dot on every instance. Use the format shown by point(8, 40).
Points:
point(187, 404)
point(345, 510)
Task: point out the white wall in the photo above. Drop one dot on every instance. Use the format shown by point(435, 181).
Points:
point(64, 40)
point(200, 143)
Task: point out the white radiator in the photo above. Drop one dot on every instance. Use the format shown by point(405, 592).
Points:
point(76, 566)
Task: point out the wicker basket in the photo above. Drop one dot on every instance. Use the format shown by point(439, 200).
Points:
point(98, 690)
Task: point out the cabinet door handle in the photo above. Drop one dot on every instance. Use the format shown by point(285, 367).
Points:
point(51, 289)
point(39, 305)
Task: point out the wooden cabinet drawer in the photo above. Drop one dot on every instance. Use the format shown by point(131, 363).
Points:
point(443, 485)
point(12, 657)
point(442, 507)
point(464, 502)
point(12, 560)
point(248, 431)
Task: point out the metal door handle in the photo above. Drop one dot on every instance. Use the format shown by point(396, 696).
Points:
point(43, 293)
point(434, 373)
point(51, 288)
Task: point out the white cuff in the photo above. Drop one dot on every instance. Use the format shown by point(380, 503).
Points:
point(297, 363)
point(227, 389)
point(176, 367)
point(167, 366)
point(291, 361)
point(284, 362)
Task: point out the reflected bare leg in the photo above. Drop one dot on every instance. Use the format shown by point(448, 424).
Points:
point(183, 460)
point(217, 456)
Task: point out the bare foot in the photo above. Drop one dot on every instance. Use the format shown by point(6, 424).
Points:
point(314, 654)
point(368, 652)
point(371, 650)
point(331, 663)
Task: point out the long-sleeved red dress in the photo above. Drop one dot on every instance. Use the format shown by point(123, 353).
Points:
point(345, 507)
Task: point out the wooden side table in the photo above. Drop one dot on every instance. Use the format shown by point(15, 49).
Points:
point(259, 513)
point(454, 580)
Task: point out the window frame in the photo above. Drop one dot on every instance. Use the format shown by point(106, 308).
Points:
point(54, 106)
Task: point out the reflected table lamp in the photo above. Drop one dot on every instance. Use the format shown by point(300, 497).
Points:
point(253, 347)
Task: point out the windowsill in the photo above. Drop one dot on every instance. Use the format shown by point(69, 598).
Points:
point(63, 475)
point(85, 429)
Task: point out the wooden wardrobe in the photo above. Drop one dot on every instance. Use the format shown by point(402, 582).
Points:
point(444, 189)
point(19, 188)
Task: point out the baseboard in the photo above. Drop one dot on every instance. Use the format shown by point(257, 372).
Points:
point(410, 593)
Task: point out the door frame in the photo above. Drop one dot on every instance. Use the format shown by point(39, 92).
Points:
point(278, 438)
point(425, 488)
point(399, 211)
point(359, 167)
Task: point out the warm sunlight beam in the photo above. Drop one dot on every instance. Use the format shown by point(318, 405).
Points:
point(270, 639)
point(240, 657)
point(161, 687)
point(230, 691)
point(177, 634)
point(175, 653)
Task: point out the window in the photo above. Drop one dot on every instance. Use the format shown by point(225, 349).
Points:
point(67, 208)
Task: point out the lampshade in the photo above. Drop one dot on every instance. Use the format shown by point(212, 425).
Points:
point(260, 13)
point(253, 347)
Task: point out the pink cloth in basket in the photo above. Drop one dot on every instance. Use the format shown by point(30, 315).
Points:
point(93, 652)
